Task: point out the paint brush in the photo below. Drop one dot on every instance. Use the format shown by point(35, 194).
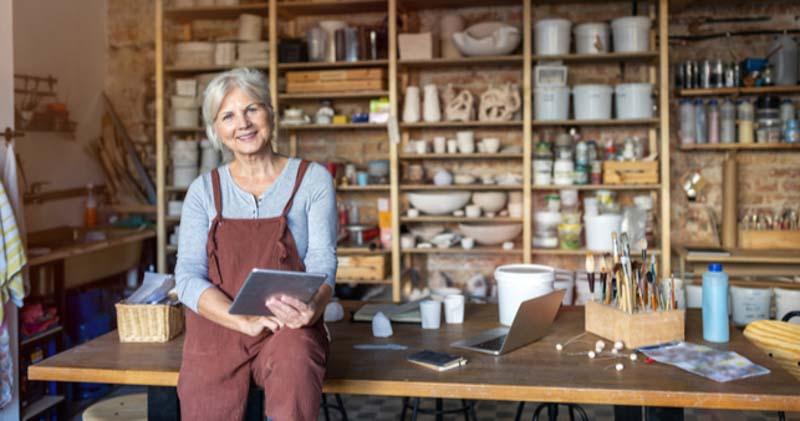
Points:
point(590, 272)
point(672, 291)
point(604, 278)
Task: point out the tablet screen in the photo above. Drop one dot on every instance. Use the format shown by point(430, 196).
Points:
point(262, 284)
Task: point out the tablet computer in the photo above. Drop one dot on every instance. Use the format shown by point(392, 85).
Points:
point(262, 284)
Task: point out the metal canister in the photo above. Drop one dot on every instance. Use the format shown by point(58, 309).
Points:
point(691, 75)
point(680, 76)
point(737, 75)
point(718, 74)
point(730, 77)
point(705, 74)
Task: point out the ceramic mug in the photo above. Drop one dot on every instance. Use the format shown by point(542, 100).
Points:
point(491, 144)
point(431, 312)
point(472, 211)
point(467, 243)
point(421, 146)
point(452, 146)
point(466, 141)
point(407, 241)
point(439, 144)
point(454, 309)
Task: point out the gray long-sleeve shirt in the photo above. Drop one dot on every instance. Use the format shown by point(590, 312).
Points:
point(312, 221)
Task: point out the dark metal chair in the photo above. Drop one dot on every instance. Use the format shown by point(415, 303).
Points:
point(467, 408)
point(552, 411)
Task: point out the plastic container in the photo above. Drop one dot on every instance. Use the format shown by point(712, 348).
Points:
point(700, 122)
point(552, 36)
point(787, 300)
point(727, 125)
point(518, 283)
point(750, 304)
point(786, 112)
point(542, 172)
point(551, 103)
point(784, 60)
point(631, 34)
point(715, 304)
point(634, 100)
point(183, 176)
point(687, 118)
point(592, 38)
point(592, 102)
point(599, 229)
point(90, 207)
point(694, 296)
point(563, 170)
point(185, 117)
point(745, 114)
point(712, 113)
point(569, 236)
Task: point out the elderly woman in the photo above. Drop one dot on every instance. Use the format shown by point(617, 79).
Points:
point(262, 210)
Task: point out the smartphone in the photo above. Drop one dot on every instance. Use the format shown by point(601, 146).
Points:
point(438, 361)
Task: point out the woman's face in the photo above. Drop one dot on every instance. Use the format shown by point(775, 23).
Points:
point(242, 123)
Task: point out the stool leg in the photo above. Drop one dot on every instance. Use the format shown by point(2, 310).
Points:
point(538, 410)
point(581, 412)
point(520, 408)
point(403, 412)
point(341, 406)
point(472, 410)
point(571, 409)
point(439, 407)
point(325, 407)
point(415, 410)
point(552, 412)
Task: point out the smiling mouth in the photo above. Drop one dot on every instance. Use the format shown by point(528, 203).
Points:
point(247, 136)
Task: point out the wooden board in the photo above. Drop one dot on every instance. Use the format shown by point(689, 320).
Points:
point(634, 330)
point(335, 75)
point(779, 340)
point(769, 239)
point(371, 268)
point(335, 86)
point(536, 372)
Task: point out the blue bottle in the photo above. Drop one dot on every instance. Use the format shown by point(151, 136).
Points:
point(715, 304)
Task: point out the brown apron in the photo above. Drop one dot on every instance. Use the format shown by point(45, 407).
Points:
point(218, 362)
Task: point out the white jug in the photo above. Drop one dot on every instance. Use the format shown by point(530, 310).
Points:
point(432, 112)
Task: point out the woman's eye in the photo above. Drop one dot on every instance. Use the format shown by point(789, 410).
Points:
point(227, 117)
point(252, 109)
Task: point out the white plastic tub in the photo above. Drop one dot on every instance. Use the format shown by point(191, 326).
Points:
point(787, 300)
point(185, 117)
point(634, 100)
point(184, 153)
point(592, 38)
point(552, 36)
point(599, 229)
point(183, 176)
point(551, 103)
point(750, 304)
point(518, 283)
point(631, 34)
point(592, 102)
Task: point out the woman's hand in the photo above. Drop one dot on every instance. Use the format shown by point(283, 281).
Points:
point(292, 312)
point(254, 325)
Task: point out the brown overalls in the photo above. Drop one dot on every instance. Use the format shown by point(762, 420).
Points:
point(218, 362)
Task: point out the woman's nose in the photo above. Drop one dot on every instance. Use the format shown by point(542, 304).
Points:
point(244, 121)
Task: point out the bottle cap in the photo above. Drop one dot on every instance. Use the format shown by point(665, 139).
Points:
point(715, 267)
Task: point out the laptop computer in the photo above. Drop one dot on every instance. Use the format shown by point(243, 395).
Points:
point(531, 323)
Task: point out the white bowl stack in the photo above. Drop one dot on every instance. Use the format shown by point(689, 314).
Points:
point(520, 282)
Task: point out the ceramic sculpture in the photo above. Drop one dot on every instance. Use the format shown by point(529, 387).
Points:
point(459, 107)
point(499, 104)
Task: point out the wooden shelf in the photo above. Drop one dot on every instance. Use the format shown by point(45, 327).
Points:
point(39, 406)
point(595, 58)
point(177, 129)
point(449, 156)
point(41, 335)
point(328, 7)
point(175, 189)
point(610, 122)
point(461, 250)
point(336, 95)
point(745, 256)
point(580, 252)
point(599, 187)
point(464, 61)
point(460, 124)
point(206, 69)
point(185, 14)
point(350, 251)
point(356, 189)
point(172, 249)
point(332, 65)
point(459, 187)
point(741, 91)
point(740, 146)
point(464, 219)
point(446, 4)
point(173, 219)
point(347, 126)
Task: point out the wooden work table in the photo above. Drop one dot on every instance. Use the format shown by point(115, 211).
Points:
point(536, 372)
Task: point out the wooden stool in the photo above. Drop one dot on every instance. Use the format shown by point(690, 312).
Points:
point(128, 408)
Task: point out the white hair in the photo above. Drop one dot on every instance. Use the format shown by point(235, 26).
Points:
point(253, 82)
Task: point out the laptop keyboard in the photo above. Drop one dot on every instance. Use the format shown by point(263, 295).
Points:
point(493, 344)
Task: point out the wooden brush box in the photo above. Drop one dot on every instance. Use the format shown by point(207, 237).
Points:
point(634, 330)
point(769, 239)
point(630, 172)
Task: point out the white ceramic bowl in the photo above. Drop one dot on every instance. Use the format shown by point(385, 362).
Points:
point(490, 201)
point(439, 203)
point(487, 39)
point(491, 234)
point(547, 219)
point(426, 232)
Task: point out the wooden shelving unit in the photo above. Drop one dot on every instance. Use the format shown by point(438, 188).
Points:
point(369, 188)
point(461, 156)
point(335, 95)
point(722, 147)
point(642, 187)
point(460, 187)
point(187, 14)
point(599, 58)
point(513, 60)
point(461, 250)
point(761, 90)
point(598, 123)
point(332, 65)
point(343, 126)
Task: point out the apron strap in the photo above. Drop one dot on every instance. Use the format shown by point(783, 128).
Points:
point(217, 192)
point(301, 171)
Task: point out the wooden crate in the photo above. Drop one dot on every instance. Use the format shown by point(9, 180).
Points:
point(630, 172)
point(335, 86)
point(336, 75)
point(369, 268)
point(634, 330)
point(769, 239)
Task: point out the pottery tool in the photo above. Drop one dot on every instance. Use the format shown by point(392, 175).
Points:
point(590, 273)
point(560, 346)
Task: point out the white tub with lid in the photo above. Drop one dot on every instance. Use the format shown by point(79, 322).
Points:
point(552, 36)
point(551, 103)
point(592, 38)
point(518, 283)
point(631, 34)
point(592, 102)
point(599, 229)
point(634, 100)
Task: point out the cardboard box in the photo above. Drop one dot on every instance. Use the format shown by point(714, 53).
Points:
point(634, 330)
point(417, 46)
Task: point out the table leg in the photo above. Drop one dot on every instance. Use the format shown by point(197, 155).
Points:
point(162, 403)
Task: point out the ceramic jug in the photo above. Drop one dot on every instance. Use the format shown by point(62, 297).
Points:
point(432, 113)
point(411, 105)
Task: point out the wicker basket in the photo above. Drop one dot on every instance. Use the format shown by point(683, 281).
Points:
point(148, 322)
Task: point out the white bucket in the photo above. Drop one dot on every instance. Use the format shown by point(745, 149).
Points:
point(694, 296)
point(599, 229)
point(183, 176)
point(634, 100)
point(631, 34)
point(184, 153)
point(592, 38)
point(552, 36)
point(551, 103)
point(518, 283)
point(185, 117)
point(787, 300)
point(592, 102)
point(542, 171)
point(750, 304)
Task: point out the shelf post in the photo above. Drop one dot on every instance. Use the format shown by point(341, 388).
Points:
point(527, 134)
point(161, 228)
point(394, 178)
point(663, 110)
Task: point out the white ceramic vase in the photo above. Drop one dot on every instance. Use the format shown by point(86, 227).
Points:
point(432, 113)
point(411, 105)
